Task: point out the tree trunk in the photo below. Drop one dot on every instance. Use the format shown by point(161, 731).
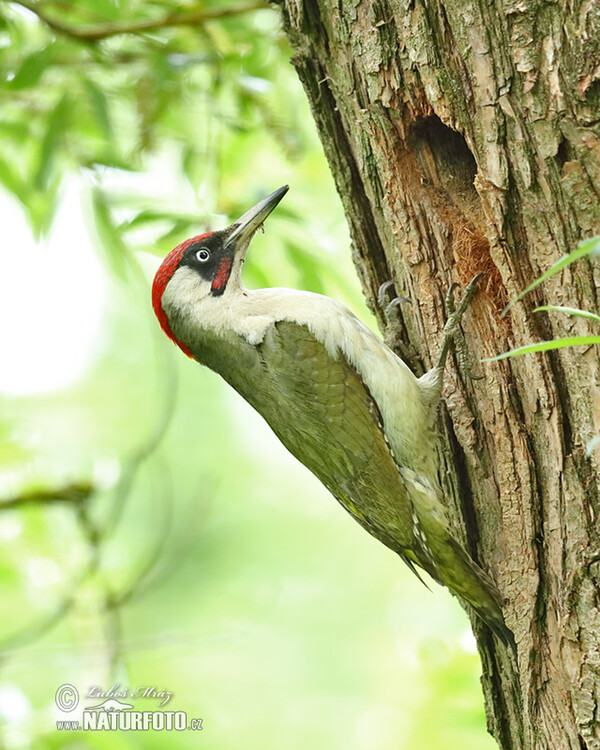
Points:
point(463, 138)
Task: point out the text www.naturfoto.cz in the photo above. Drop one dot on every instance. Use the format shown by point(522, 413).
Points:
point(132, 721)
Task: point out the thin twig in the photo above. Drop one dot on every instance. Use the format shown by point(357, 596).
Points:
point(71, 493)
point(103, 31)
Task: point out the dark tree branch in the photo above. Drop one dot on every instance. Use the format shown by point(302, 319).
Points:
point(75, 494)
point(103, 31)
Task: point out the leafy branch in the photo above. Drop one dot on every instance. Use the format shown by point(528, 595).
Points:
point(98, 32)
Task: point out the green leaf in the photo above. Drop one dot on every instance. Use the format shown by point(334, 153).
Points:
point(587, 247)
point(112, 160)
point(12, 181)
point(41, 207)
point(164, 244)
point(99, 106)
point(49, 147)
point(569, 311)
point(544, 346)
point(111, 242)
point(194, 166)
point(150, 216)
point(32, 68)
point(18, 130)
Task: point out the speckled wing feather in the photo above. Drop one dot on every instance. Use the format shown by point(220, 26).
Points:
point(347, 450)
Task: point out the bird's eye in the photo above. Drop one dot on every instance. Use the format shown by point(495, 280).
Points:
point(203, 255)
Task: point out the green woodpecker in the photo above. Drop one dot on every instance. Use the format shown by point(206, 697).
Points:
point(336, 396)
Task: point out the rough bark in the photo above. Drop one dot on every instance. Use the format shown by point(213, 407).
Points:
point(464, 137)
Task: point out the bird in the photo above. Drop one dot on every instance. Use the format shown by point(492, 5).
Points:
point(336, 396)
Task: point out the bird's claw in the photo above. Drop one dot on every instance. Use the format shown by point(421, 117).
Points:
point(452, 335)
point(381, 298)
point(394, 334)
point(470, 291)
point(381, 292)
point(394, 303)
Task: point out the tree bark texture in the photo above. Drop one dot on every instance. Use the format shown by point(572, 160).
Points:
point(464, 137)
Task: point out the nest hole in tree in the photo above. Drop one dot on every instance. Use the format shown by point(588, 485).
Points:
point(447, 172)
point(564, 154)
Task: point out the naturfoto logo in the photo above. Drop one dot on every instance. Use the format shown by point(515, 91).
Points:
point(111, 712)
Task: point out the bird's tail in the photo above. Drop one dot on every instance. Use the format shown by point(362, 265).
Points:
point(447, 561)
point(465, 578)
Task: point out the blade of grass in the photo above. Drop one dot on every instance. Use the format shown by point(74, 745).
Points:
point(588, 247)
point(544, 346)
point(569, 311)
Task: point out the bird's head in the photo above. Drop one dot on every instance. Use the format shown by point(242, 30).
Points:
point(209, 264)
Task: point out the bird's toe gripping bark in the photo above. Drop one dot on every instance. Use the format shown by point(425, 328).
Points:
point(452, 336)
point(394, 334)
point(386, 306)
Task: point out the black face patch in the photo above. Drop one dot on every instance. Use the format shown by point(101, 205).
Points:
point(208, 258)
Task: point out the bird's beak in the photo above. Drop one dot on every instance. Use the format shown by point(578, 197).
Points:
point(242, 230)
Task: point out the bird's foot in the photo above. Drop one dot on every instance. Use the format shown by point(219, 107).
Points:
point(395, 331)
point(453, 337)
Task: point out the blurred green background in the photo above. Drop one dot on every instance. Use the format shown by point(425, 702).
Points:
point(153, 531)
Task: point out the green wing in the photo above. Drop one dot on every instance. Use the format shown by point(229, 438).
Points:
point(323, 413)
